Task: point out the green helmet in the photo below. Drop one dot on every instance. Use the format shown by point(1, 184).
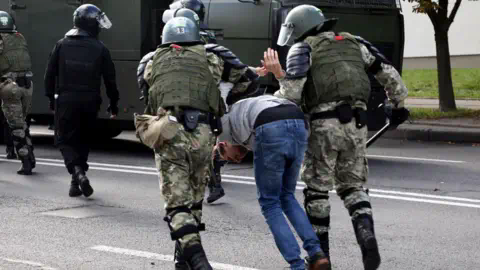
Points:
point(7, 23)
point(181, 12)
point(180, 30)
point(301, 21)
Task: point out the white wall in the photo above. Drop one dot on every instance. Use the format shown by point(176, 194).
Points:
point(464, 33)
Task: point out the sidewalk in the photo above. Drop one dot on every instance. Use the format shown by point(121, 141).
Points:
point(460, 130)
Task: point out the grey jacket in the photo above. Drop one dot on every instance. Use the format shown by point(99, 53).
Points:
point(239, 121)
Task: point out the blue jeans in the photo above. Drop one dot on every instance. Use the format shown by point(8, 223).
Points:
point(278, 155)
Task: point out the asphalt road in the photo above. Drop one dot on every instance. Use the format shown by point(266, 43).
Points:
point(426, 199)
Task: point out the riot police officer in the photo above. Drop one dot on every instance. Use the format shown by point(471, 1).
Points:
point(182, 84)
point(16, 89)
point(78, 62)
point(327, 75)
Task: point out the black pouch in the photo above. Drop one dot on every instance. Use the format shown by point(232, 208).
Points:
point(360, 118)
point(190, 119)
point(24, 82)
point(344, 113)
point(215, 124)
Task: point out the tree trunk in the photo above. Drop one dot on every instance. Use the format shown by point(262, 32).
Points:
point(445, 84)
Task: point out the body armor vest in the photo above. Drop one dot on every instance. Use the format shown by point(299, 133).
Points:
point(80, 65)
point(337, 72)
point(15, 56)
point(181, 77)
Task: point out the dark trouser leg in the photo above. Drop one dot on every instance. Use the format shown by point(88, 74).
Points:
point(7, 135)
point(216, 190)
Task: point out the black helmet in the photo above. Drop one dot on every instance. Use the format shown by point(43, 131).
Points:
point(180, 30)
point(300, 21)
point(196, 5)
point(90, 19)
point(7, 23)
point(181, 12)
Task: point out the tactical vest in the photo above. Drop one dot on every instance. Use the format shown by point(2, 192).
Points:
point(181, 77)
point(15, 56)
point(337, 72)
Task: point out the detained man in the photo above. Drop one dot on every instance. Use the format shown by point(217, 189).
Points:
point(276, 131)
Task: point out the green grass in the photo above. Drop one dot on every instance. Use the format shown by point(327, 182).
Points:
point(424, 83)
point(431, 114)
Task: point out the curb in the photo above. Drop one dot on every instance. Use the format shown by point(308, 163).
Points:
point(429, 133)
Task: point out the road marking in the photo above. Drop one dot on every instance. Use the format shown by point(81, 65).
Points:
point(161, 257)
point(30, 263)
point(406, 196)
point(419, 159)
point(425, 200)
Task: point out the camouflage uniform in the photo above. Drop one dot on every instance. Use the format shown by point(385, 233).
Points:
point(16, 90)
point(184, 161)
point(336, 156)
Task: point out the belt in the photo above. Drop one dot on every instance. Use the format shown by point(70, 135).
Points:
point(281, 112)
point(329, 114)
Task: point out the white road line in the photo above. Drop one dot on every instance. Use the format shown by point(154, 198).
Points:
point(300, 185)
point(161, 257)
point(425, 200)
point(425, 195)
point(419, 159)
point(30, 263)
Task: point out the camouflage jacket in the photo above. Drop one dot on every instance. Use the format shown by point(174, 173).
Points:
point(239, 78)
point(386, 75)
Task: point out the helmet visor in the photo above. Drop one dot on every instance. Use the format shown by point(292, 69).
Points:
point(285, 36)
point(104, 21)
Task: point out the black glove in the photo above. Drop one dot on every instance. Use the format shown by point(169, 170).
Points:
point(399, 115)
point(112, 109)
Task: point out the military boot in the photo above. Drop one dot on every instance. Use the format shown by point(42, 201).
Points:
point(26, 168)
point(74, 188)
point(215, 188)
point(79, 173)
point(318, 262)
point(31, 156)
point(364, 231)
point(180, 263)
point(325, 245)
point(196, 258)
point(11, 153)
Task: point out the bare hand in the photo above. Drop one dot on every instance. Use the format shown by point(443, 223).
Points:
point(272, 63)
point(261, 71)
point(113, 116)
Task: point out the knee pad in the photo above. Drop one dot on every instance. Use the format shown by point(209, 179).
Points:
point(188, 228)
point(182, 231)
point(316, 195)
point(359, 203)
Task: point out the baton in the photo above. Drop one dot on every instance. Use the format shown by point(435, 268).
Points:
point(378, 134)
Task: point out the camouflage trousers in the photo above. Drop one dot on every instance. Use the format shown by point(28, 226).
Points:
point(182, 163)
point(16, 105)
point(335, 158)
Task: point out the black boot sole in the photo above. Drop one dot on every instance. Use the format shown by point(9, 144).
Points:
point(182, 266)
point(372, 256)
point(75, 192)
point(212, 199)
point(87, 190)
point(21, 172)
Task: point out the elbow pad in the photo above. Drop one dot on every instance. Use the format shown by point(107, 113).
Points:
point(230, 60)
point(379, 57)
point(298, 61)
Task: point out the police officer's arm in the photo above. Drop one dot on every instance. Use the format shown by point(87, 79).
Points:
point(298, 64)
point(109, 78)
point(147, 76)
point(384, 72)
point(226, 67)
point(51, 73)
point(142, 84)
point(1, 45)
